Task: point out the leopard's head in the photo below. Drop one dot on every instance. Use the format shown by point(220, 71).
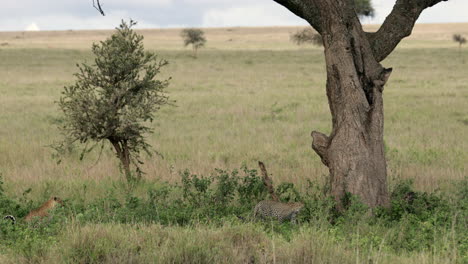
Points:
point(297, 206)
point(56, 201)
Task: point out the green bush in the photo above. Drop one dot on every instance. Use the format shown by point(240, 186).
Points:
point(414, 221)
point(422, 206)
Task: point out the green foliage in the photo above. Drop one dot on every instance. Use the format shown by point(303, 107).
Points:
point(307, 35)
point(355, 211)
point(31, 241)
point(461, 218)
point(227, 184)
point(9, 206)
point(195, 187)
point(194, 37)
point(222, 194)
point(423, 206)
point(419, 217)
point(459, 38)
point(113, 99)
point(251, 188)
point(318, 206)
point(364, 8)
point(288, 192)
point(414, 222)
point(198, 198)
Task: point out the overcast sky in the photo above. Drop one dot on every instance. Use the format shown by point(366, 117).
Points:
point(79, 14)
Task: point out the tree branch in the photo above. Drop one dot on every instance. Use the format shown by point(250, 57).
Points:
point(305, 9)
point(320, 145)
point(98, 7)
point(397, 26)
point(268, 182)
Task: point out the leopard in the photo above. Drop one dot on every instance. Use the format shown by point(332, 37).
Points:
point(40, 212)
point(277, 210)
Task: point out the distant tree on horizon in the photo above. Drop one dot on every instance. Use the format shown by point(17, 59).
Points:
point(194, 37)
point(460, 39)
point(364, 8)
point(307, 35)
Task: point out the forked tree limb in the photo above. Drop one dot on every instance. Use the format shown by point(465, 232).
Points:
point(398, 25)
point(305, 9)
point(268, 182)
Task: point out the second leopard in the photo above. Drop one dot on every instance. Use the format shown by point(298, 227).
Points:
point(277, 210)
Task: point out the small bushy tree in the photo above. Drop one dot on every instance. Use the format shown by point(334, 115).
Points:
point(307, 35)
point(112, 100)
point(194, 37)
point(460, 39)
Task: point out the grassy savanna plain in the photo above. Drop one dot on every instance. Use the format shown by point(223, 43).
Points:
point(251, 95)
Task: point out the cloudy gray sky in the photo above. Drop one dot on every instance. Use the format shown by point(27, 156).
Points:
point(79, 14)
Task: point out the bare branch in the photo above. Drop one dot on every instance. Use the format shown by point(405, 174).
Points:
point(320, 145)
point(397, 26)
point(98, 7)
point(268, 182)
point(305, 9)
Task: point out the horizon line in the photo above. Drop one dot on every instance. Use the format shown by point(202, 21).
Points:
point(207, 27)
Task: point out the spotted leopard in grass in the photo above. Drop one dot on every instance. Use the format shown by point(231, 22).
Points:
point(277, 210)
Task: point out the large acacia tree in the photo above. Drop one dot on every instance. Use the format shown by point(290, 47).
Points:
point(354, 151)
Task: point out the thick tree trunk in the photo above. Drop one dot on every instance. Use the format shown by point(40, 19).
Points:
point(354, 152)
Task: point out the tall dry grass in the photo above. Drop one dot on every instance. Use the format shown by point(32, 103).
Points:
point(117, 243)
point(235, 107)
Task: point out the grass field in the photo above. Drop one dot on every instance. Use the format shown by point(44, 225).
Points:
point(251, 95)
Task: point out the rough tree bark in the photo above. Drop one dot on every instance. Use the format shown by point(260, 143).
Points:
point(354, 151)
point(121, 148)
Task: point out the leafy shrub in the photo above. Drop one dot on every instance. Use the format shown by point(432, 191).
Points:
point(198, 198)
point(288, 192)
point(32, 240)
point(9, 206)
point(414, 221)
point(318, 206)
point(251, 189)
point(416, 217)
point(226, 186)
point(196, 188)
point(423, 206)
